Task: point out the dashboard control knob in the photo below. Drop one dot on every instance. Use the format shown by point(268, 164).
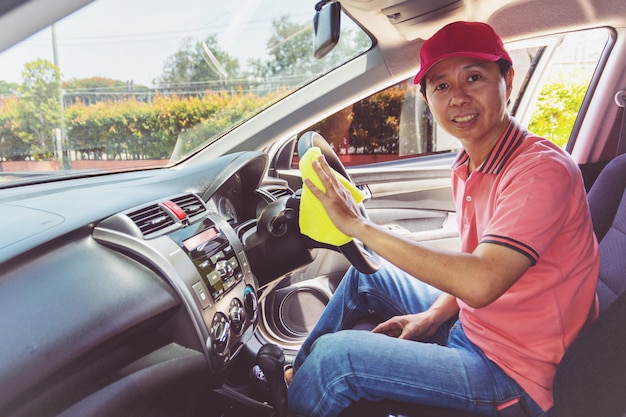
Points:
point(237, 316)
point(250, 303)
point(224, 268)
point(220, 333)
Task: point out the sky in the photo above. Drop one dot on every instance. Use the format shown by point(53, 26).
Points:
point(131, 39)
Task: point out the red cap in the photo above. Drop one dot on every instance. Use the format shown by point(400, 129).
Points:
point(469, 39)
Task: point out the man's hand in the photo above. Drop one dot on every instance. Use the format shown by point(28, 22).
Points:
point(421, 326)
point(411, 327)
point(336, 199)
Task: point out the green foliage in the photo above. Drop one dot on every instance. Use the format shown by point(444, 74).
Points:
point(556, 110)
point(290, 51)
point(125, 129)
point(39, 108)
point(376, 123)
point(132, 129)
point(169, 125)
point(27, 124)
point(14, 146)
point(191, 64)
point(7, 87)
point(152, 126)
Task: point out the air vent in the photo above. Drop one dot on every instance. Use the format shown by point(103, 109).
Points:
point(190, 203)
point(151, 219)
point(280, 192)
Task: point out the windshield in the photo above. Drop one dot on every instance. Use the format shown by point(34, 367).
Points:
point(129, 84)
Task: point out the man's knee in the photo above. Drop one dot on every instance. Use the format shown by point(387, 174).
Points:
point(332, 347)
point(333, 354)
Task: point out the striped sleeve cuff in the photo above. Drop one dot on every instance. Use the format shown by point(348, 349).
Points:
point(513, 244)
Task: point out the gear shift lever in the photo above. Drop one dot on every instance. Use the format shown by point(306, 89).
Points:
point(271, 360)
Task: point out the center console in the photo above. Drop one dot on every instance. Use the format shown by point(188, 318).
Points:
point(202, 258)
point(222, 272)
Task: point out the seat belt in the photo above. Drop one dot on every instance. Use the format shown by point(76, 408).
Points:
point(620, 99)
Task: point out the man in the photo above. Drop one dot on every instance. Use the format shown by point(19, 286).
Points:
point(480, 330)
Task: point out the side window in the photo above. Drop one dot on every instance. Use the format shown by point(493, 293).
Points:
point(392, 124)
point(564, 83)
point(551, 79)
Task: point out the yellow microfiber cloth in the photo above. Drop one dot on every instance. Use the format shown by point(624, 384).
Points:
point(314, 220)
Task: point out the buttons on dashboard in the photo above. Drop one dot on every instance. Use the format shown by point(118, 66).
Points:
point(244, 263)
point(224, 327)
point(216, 262)
point(202, 294)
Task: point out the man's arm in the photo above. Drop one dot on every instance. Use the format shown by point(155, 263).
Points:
point(477, 278)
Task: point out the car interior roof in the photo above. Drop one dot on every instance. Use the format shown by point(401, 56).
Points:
point(413, 19)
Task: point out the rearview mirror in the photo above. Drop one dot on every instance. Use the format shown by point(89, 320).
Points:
point(326, 27)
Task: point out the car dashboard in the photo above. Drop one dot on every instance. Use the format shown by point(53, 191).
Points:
point(136, 279)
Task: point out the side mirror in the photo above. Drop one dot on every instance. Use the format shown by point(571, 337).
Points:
point(326, 27)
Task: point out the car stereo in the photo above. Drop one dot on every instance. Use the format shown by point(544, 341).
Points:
point(213, 257)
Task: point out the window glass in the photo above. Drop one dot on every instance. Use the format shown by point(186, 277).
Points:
point(394, 123)
point(565, 83)
point(124, 85)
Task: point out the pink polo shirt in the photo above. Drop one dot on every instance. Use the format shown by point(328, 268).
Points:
point(529, 196)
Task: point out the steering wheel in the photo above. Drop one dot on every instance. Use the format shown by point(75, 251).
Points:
point(363, 259)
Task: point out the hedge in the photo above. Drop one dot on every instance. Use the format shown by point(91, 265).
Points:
point(132, 129)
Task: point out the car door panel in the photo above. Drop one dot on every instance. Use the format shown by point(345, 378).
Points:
point(412, 199)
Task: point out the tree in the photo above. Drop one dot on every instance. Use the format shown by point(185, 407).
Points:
point(557, 109)
point(192, 65)
point(12, 146)
point(289, 48)
point(7, 87)
point(39, 106)
point(290, 52)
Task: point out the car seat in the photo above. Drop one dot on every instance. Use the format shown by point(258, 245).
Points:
point(607, 205)
point(591, 378)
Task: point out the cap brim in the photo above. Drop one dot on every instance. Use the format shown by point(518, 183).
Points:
point(469, 54)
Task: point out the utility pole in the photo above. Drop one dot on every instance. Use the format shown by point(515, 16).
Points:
point(61, 139)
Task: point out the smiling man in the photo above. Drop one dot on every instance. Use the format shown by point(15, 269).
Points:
point(481, 330)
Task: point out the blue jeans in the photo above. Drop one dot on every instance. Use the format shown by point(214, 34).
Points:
point(337, 366)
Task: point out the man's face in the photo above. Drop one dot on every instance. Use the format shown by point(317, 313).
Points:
point(468, 98)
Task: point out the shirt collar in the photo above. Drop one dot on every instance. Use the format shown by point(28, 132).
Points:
point(501, 152)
